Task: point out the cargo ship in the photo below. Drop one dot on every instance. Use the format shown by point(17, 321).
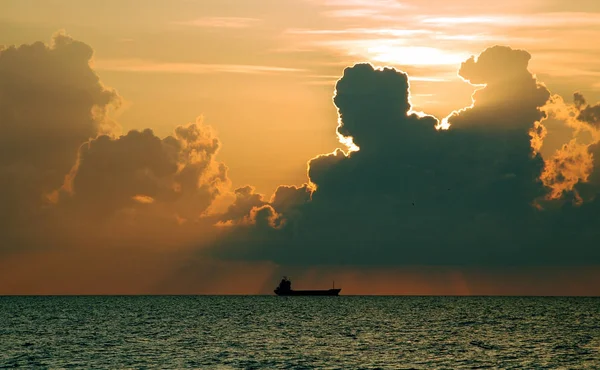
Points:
point(285, 289)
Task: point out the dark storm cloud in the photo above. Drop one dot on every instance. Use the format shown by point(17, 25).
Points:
point(413, 194)
point(590, 189)
point(287, 198)
point(588, 113)
point(579, 100)
point(111, 172)
point(141, 169)
point(51, 101)
point(245, 200)
point(408, 193)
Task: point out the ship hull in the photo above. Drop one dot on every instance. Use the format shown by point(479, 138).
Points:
point(328, 292)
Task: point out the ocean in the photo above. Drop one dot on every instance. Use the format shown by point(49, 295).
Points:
point(264, 332)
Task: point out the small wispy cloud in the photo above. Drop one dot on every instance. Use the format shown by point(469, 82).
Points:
point(143, 199)
point(388, 4)
point(371, 9)
point(356, 13)
point(426, 79)
point(220, 22)
point(556, 19)
point(146, 66)
point(396, 32)
point(481, 19)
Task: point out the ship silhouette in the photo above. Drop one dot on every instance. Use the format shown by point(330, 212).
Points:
point(285, 288)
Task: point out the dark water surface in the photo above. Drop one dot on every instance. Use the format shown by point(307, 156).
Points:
point(255, 332)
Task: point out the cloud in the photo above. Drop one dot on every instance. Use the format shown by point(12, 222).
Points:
point(510, 89)
point(85, 208)
point(147, 66)
point(570, 166)
point(51, 101)
point(220, 22)
point(411, 194)
point(245, 200)
point(496, 188)
point(374, 9)
point(396, 32)
point(71, 180)
point(384, 45)
point(588, 113)
point(177, 175)
point(539, 20)
point(384, 32)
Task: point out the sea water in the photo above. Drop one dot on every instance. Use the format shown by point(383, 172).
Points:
point(263, 332)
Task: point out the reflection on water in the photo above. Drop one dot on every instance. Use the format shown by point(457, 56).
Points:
point(258, 332)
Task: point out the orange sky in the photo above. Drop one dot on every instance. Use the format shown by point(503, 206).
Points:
point(262, 71)
point(262, 74)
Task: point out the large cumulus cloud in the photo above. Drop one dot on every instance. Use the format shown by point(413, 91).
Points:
point(495, 183)
point(141, 169)
point(51, 101)
point(85, 208)
point(466, 191)
point(68, 176)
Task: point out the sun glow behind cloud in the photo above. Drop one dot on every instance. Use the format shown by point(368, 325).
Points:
point(227, 67)
point(411, 34)
point(413, 55)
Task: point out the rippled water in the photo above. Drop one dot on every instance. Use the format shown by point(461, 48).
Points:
point(257, 332)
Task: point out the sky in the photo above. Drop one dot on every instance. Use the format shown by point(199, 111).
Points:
point(208, 147)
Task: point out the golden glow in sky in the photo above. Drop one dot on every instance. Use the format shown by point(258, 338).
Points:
point(262, 74)
point(276, 62)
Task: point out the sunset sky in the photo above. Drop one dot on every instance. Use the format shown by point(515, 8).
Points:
point(239, 181)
